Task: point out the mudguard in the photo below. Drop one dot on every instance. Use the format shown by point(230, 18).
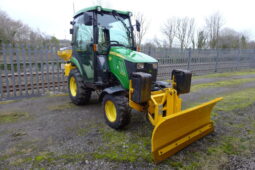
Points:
point(176, 131)
point(111, 90)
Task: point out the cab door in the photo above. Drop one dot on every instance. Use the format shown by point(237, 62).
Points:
point(82, 46)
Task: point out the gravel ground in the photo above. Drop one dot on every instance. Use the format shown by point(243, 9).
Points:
point(50, 132)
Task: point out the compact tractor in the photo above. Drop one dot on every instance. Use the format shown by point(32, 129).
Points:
point(103, 57)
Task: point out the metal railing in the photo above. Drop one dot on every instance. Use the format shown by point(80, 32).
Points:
point(201, 61)
point(27, 71)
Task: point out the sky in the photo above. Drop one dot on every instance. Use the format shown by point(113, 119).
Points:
point(53, 16)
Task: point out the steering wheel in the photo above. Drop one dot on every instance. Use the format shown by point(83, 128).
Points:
point(117, 43)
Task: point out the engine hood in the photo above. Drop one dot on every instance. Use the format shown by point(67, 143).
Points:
point(132, 56)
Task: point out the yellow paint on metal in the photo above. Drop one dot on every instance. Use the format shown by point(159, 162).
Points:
point(132, 104)
point(65, 54)
point(68, 68)
point(110, 111)
point(136, 106)
point(117, 54)
point(163, 103)
point(185, 139)
point(175, 131)
point(73, 86)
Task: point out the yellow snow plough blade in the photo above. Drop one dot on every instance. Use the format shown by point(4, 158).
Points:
point(176, 131)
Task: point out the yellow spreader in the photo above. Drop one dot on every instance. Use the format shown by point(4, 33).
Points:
point(65, 53)
point(174, 128)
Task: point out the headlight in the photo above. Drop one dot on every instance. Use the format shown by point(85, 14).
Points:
point(130, 14)
point(155, 65)
point(140, 66)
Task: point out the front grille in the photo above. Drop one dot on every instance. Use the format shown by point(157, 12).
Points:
point(148, 68)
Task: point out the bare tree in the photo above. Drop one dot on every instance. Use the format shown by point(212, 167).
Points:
point(157, 42)
point(229, 38)
point(251, 45)
point(169, 30)
point(214, 24)
point(244, 41)
point(6, 28)
point(12, 29)
point(185, 31)
point(16, 32)
point(193, 41)
point(143, 28)
point(201, 39)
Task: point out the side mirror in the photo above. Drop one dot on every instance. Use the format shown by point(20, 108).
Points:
point(138, 25)
point(71, 31)
point(87, 19)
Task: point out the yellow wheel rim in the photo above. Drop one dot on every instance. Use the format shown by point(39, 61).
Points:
point(73, 86)
point(110, 111)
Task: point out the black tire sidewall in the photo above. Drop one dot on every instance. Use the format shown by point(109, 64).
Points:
point(83, 93)
point(118, 123)
point(72, 74)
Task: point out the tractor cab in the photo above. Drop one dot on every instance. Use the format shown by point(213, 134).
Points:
point(96, 31)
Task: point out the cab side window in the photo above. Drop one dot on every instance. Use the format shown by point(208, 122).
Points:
point(83, 34)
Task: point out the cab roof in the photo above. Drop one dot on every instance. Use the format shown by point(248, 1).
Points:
point(102, 9)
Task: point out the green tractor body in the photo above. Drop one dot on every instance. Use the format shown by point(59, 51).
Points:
point(123, 62)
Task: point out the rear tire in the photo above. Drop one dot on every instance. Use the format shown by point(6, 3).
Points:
point(117, 112)
point(78, 92)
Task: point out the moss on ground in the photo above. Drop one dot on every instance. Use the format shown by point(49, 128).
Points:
point(124, 146)
point(231, 101)
point(46, 158)
point(225, 83)
point(12, 116)
point(22, 154)
point(133, 146)
point(217, 154)
point(234, 142)
point(82, 131)
point(226, 74)
point(56, 95)
point(176, 164)
point(47, 95)
point(237, 100)
point(8, 101)
point(14, 155)
point(61, 106)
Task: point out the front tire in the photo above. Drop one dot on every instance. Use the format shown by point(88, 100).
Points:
point(78, 92)
point(116, 111)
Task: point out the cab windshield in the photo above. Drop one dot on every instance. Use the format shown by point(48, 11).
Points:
point(119, 29)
